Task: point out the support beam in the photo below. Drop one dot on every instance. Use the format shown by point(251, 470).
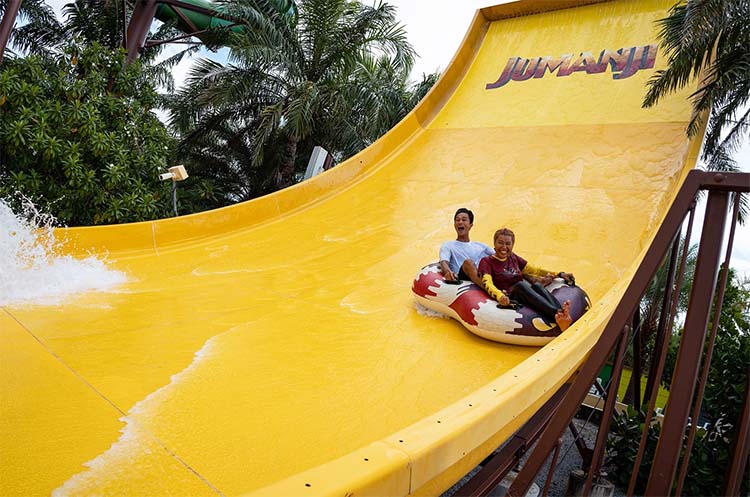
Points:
point(6, 25)
point(688, 358)
point(608, 412)
point(740, 448)
point(140, 23)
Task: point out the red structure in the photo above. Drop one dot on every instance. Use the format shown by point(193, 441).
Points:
point(667, 469)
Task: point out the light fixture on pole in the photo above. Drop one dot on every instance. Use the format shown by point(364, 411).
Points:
point(176, 173)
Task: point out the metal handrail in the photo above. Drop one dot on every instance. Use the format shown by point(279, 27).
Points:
point(664, 467)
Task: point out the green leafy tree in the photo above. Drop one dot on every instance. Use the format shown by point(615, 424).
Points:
point(376, 95)
point(78, 136)
point(287, 88)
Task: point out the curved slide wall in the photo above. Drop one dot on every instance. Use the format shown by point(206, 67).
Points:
point(273, 347)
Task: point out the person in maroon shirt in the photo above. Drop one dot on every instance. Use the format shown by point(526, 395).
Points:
point(506, 275)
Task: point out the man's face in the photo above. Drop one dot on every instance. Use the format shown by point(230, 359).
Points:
point(462, 224)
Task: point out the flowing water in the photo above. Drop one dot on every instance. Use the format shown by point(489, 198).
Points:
point(31, 270)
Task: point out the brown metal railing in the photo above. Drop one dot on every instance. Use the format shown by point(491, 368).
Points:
point(685, 381)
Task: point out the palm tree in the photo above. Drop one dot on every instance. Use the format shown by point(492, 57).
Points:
point(379, 94)
point(710, 40)
point(38, 26)
point(286, 84)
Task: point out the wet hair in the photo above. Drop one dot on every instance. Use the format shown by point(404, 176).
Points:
point(464, 210)
point(504, 232)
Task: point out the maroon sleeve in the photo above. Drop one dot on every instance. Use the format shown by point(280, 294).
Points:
point(521, 262)
point(484, 267)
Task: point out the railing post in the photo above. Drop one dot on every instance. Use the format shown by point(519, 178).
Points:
point(607, 412)
point(740, 449)
point(666, 323)
point(635, 376)
point(140, 22)
point(686, 369)
point(6, 25)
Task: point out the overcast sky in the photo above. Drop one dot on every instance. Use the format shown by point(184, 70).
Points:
point(436, 28)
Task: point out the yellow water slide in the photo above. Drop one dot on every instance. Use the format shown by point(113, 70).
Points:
point(274, 347)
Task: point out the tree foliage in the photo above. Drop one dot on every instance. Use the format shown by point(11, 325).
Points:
point(78, 135)
point(337, 78)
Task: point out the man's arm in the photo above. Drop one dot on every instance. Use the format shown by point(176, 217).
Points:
point(447, 273)
point(445, 268)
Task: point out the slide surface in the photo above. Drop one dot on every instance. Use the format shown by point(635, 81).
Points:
point(274, 347)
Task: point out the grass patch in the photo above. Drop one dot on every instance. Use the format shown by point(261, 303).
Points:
point(661, 396)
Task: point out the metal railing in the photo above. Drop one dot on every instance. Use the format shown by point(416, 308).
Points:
point(666, 473)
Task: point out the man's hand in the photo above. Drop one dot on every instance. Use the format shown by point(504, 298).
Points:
point(447, 273)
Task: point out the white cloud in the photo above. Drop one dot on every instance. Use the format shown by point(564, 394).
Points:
point(436, 28)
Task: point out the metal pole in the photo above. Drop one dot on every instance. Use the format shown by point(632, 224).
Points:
point(709, 350)
point(608, 411)
point(635, 376)
point(6, 25)
point(741, 448)
point(174, 197)
point(658, 368)
point(140, 23)
point(661, 327)
point(686, 369)
point(583, 450)
point(552, 467)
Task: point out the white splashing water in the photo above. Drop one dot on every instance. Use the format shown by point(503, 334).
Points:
point(424, 311)
point(30, 270)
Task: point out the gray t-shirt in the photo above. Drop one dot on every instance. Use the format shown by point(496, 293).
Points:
point(456, 253)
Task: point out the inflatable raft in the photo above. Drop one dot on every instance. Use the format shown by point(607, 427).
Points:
point(472, 307)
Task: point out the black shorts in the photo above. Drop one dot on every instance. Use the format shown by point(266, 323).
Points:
point(463, 276)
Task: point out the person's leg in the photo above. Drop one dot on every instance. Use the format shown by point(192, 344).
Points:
point(525, 294)
point(563, 318)
point(546, 295)
point(469, 269)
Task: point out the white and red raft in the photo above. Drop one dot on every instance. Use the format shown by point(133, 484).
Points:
point(472, 307)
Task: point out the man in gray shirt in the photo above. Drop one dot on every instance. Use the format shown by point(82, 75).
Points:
point(459, 258)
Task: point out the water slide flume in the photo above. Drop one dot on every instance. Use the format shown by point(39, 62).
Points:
point(199, 20)
point(273, 347)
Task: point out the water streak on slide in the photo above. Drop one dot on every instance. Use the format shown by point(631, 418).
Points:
point(273, 347)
